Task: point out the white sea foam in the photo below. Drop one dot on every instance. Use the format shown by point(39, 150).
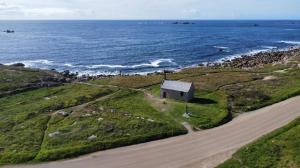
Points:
point(106, 66)
point(113, 73)
point(95, 73)
point(68, 65)
point(155, 64)
point(33, 63)
point(249, 53)
point(290, 42)
point(270, 47)
point(290, 29)
point(221, 47)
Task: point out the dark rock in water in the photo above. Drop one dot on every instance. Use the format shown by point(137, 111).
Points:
point(255, 25)
point(184, 23)
point(9, 31)
point(18, 65)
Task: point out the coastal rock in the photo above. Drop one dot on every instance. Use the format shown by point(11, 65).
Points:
point(87, 115)
point(53, 134)
point(186, 115)
point(262, 58)
point(63, 113)
point(150, 120)
point(18, 65)
point(93, 137)
point(9, 31)
point(268, 78)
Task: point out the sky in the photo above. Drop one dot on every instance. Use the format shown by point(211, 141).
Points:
point(149, 9)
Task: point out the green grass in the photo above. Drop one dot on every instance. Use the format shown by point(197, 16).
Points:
point(130, 81)
point(279, 149)
point(208, 109)
point(18, 78)
point(123, 119)
point(256, 94)
point(24, 117)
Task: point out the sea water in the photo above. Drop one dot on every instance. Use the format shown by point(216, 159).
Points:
point(108, 47)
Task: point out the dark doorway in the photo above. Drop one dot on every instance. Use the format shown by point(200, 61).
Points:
point(164, 95)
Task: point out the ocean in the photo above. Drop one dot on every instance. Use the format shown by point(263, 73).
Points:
point(138, 47)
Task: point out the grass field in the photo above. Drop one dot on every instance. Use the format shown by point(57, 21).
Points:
point(280, 149)
point(122, 119)
point(24, 117)
point(207, 109)
point(259, 93)
point(18, 78)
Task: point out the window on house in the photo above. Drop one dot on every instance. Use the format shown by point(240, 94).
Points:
point(181, 94)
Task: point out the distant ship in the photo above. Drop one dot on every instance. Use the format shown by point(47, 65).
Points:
point(9, 31)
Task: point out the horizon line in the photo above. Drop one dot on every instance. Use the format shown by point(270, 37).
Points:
point(150, 19)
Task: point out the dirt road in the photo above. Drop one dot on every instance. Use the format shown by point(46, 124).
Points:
point(201, 149)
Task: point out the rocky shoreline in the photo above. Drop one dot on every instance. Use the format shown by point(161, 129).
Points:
point(259, 59)
point(245, 61)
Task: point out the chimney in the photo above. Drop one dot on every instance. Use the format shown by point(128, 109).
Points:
point(165, 75)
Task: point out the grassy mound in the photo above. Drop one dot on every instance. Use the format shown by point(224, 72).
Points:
point(280, 148)
point(17, 79)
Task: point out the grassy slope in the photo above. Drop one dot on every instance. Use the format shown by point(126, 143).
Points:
point(123, 119)
point(18, 78)
point(280, 149)
point(259, 93)
point(24, 117)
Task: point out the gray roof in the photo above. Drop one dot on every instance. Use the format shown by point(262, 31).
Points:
point(177, 86)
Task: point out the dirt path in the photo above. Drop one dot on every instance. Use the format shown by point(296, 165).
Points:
point(201, 149)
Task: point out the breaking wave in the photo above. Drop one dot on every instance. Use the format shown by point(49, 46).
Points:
point(221, 47)
point(33, 63)
point(270, 47)
point(154, 64)
point(290, 42)
point(249, 53)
